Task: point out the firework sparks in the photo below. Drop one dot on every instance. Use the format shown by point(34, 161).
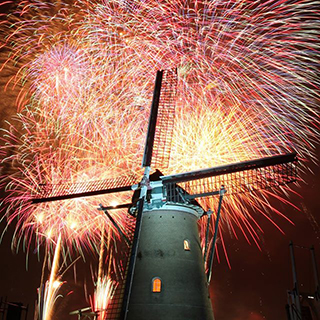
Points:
point(247, 88)
point(48, 294)
point(105, 287)
point(104, 292)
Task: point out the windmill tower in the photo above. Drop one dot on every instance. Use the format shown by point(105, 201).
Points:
point(165, 274)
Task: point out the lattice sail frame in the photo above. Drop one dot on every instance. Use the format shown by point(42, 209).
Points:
point(236, 178)
point(69, 190)
point(113, 311)
point(165, 120)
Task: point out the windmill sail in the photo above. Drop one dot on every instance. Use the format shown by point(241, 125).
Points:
point(236, 178)
point(69, 190)
point(161, 121)
point(120, 273)
point(146, 161)
point(165, 120)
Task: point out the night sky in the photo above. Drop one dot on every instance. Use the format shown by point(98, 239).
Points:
point(254, 288)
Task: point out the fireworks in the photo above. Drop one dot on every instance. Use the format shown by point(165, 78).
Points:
point(48, 294)
point(84, 73)
point(103, 294)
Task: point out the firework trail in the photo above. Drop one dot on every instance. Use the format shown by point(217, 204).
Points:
point(82, 71)
point(48, 292)
point(104, 292)
point(104, 287)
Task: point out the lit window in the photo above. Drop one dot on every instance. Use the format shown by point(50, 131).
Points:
point(156, 285)
point(186, 245)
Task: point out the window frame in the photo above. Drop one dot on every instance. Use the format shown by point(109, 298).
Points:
point(156, 285)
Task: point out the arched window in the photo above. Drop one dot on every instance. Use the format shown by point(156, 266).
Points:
point(186, 245)
point(156, 285)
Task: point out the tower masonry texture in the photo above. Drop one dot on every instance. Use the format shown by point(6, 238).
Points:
point(169, 250)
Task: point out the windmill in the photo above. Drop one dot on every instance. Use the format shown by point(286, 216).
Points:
point(165, 274)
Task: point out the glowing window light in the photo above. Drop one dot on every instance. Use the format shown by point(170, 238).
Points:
point(186, 245)
point(156, 285)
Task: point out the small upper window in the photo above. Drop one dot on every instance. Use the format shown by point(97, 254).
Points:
point(186, 245)
point(156, 285)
